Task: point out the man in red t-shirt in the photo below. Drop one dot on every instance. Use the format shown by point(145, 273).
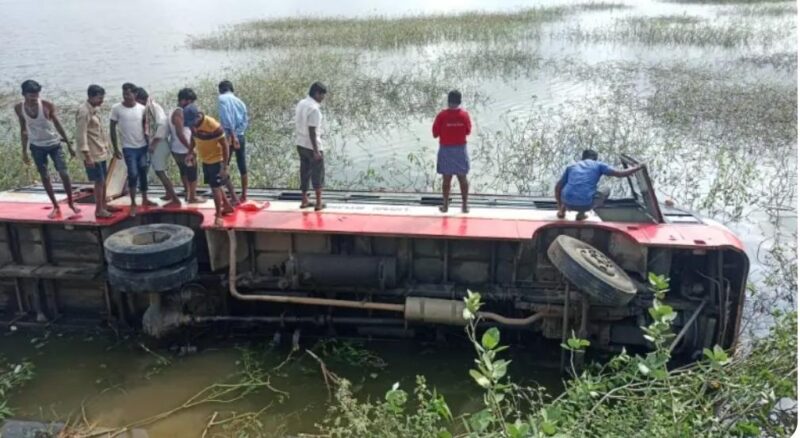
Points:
point(452, 126)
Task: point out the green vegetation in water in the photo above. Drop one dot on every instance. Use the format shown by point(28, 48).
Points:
point(762, 10)
point(12, 377)
point(631, 395)
point(684, 30)
point(349, 353)
point(380, 32)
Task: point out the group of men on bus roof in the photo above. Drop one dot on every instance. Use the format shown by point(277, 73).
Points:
point(149, 136)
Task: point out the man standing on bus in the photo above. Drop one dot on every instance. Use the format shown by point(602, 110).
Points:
point(93, 144)
point(42, 133)
point(577, 188)
point(129, 116)
point(452, 126)
point(233, 117)
point(308, 130)
point(157, 130)
point(212, 152)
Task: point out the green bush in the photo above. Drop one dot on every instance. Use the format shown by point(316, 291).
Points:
point(630, 395)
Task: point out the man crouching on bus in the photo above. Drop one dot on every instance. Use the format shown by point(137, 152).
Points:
point(213, 153)
point(577, 188)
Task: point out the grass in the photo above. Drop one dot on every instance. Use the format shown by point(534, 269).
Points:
point(379, 32)
point(384, 32)
point(715, 144)
point(762, 10)
point(683, 30)
point(779, 61)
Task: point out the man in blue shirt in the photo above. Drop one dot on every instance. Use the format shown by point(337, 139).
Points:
point(233, 117)
point(577, 188)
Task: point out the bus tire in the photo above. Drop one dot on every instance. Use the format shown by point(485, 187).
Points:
point(591, 271)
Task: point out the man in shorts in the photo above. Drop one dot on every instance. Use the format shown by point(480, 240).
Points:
point(308, 127)
point(42, 133)
point(212, 151)
point(577, 188)
point(233, 116)
point(93, 145)
point(157, 129)
point(128, 115)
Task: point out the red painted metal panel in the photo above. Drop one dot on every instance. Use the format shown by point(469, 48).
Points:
point(672, 235)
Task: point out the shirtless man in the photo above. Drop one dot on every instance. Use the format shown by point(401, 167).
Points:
point(41, 131)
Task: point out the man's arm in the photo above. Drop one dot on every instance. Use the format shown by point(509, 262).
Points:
point(314, 120)
point(625, 172)
point(228, 121)
point(559, 186)
point(112, 131)
point(312, 134)
point(23, 133)
point(435, 129)
point(468, 122)
point(82, 136)
point(57, 123)
point(177, 122)
point(223, 143)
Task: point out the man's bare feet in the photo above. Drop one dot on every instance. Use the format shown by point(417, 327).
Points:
point(74, 208)
point(304, 204)
point(56, 212)
point(173, 204)
point(149, 203)
point(581, 216)
point(103, 214)
point(243, 198)
point(443, 208)
point(464, 209)
point(196, 200)
point(227, 211)
point(561, 214)
point(113, 209)
point(132, 211)
point(165, 198)
point(218, 221)
point(320, 206)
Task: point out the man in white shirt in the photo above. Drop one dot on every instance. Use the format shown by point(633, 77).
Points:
point(308, 127)
point(129, 117)
point(157, 129)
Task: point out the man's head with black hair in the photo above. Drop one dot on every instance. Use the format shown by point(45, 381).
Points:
point(317, 91)
point(129, 93)
point(454, 99)
point(95, 95)
point(589, 154)
point(142, 96)
point(31, 89)
point(185, 97)
point(225, 86)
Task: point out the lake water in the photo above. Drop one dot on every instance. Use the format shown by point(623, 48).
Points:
point(66, 45)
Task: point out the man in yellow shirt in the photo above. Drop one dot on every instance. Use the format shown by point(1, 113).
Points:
point(208, 139)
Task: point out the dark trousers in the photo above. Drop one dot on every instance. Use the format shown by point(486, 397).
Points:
point(311, 169)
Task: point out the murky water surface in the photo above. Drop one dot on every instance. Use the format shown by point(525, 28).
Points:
point(116, 381)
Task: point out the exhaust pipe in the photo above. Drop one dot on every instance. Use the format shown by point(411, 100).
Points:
point(425, 310)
